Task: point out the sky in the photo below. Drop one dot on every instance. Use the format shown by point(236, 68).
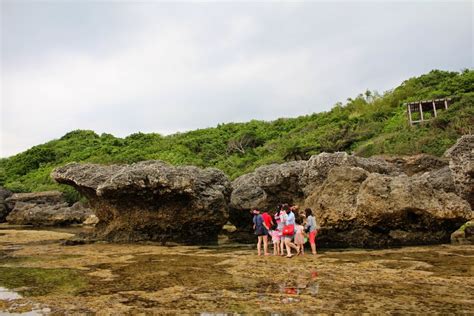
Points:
point(122, 67)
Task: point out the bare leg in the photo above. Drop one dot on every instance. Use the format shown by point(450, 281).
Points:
point(259, 245)
point(288, 249)
point(290, 245)
point(282, 245)
point(313, 248)
point(265, 245)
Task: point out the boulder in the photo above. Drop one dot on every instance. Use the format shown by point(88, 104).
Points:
point(43, 214)
point(264, 189)
point(464, 235)
point(47, 208)
point(360, 209)
point(317, 168)
point(91, 220)
point(4, 208)
point(152, 200)
point(46, 198)
point(461, 163)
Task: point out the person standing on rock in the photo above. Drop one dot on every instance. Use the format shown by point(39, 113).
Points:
point(290, 221)
point(283, 217)
point(261, 230)
point(311, 228)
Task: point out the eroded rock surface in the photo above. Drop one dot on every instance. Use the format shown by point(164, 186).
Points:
point(464, 235)
point(367, 202)
point(461, 163)
point(152, 200)
point(357, 208)
point(420, 163)
point(4, 209)
point(264, 189)
point(45, 209)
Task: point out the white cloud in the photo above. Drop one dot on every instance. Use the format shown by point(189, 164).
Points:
point(189, 66)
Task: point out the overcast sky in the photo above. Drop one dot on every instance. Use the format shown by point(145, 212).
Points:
point(124, 67)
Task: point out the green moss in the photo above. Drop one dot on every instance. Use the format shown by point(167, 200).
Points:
point(37, 282)
point(463, 227)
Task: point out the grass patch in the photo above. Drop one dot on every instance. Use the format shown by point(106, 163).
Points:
point(38, 282)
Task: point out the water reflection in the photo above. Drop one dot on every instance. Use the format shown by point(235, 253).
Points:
point(308, 287)
point(8, 295)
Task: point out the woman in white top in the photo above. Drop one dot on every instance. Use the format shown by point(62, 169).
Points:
point(313, 229)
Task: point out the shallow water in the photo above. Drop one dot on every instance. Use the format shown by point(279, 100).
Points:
point(229, 279)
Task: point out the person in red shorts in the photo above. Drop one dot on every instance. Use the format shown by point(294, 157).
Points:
point(312, 229)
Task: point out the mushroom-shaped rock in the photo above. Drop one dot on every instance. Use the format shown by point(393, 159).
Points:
point(152, 200)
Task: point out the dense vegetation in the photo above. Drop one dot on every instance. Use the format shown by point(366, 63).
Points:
point(369, 124)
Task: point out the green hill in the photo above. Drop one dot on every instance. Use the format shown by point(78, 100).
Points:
point(369, 124)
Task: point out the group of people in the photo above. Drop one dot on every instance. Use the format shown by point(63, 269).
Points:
point(287, 230)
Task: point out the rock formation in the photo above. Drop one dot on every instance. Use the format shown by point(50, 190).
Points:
point(367, 202)
point(44, 209)
point(361, 209)
point(4, 209)
point(464, 235)
point(264, 189)
point(152, 200)
point(461, 163)
point(420, 163)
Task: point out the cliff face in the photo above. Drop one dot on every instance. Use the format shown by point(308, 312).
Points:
point(152, 200)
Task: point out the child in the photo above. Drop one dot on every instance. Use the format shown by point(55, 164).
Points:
point(299, 236)
point(276, 242)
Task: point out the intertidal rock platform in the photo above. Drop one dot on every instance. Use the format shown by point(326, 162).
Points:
point(152, 200)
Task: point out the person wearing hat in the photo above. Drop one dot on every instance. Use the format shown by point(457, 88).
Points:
point(261, 230)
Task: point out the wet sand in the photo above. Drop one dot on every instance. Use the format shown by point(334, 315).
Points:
point(40, 276)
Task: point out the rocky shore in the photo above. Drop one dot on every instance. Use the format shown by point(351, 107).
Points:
point(109, 279)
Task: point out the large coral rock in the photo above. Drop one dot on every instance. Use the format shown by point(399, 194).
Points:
point(264, 189)
point(420, 163)
point(4, 208)
point(317, 168)
point(362, 209)
point(362, 202)
point(44, 209)
point(152, 200)
point(461, 163)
